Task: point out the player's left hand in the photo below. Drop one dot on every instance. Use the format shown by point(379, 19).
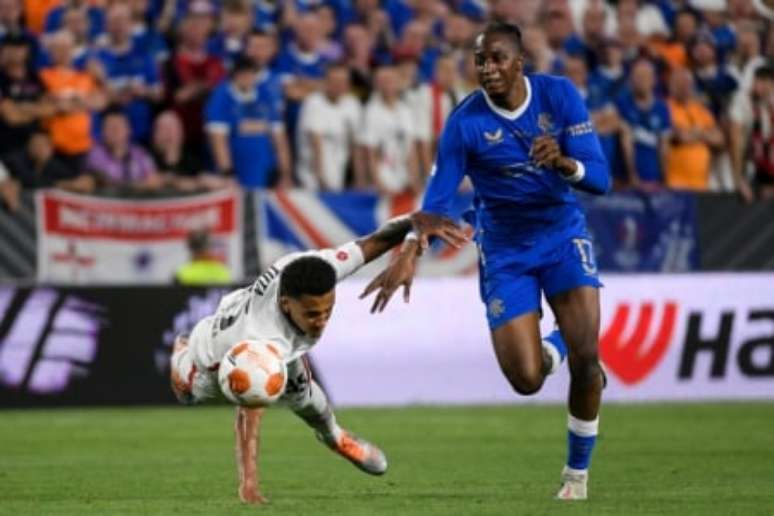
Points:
point(397, 274)
point(251, 495)
point(545, 152)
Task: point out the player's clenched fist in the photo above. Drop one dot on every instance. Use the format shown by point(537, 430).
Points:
point(545, 152)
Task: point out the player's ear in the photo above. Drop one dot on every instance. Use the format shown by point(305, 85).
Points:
point(519, 60)
point(284, 302)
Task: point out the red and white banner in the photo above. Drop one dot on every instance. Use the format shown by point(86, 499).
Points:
point(663, 337)
point(88, 240)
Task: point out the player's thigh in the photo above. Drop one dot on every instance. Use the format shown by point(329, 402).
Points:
point(513, 308)
point(190, 385)
point(299, 384)
point(518, 350)
point(571, 284)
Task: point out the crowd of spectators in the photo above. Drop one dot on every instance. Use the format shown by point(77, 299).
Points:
point(330, 95)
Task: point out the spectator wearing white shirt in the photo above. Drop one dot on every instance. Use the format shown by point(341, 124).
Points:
point(431, 103)
point(327, 127)
point(747, 57)
point(389, 137)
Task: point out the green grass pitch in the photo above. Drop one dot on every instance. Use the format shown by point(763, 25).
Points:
point(651, 459)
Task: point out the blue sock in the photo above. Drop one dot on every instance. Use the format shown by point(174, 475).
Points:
point(555, 339)
point(581, 437)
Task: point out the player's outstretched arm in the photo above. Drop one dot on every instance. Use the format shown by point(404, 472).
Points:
point(400, 273)
point(394, 231)
point(247, 432)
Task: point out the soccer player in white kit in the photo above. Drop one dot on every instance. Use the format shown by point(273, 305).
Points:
point(290, 304)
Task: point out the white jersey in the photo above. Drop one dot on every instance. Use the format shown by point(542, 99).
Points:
point(254, 313)
point(391, 131)
point(336, 123)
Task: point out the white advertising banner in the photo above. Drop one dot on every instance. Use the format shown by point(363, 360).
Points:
point(663, 337)
point(92, 240)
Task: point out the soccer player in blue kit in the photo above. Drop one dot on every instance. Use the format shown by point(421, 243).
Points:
point(525, 141)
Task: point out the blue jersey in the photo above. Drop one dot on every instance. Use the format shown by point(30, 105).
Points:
point(132, 67)
point(648, 127)
point(249, 121)
point(596, 100)
point(515, 199)
point(55, 20)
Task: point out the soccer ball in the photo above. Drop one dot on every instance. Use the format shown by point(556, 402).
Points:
point(253, 374)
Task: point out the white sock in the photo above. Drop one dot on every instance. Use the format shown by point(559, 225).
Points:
point(556, 358)
point(317, 412)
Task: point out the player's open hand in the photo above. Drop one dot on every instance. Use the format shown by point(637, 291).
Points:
point(545, 152)
point(428, 224)
point(399, 273)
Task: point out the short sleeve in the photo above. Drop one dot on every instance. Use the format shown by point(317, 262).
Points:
point(311, 116)
point(216, 112)
point(345, 259)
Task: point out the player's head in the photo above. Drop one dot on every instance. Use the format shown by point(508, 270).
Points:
point(499, 54)
point(643, 77)
point(336, 80)
point(307, 293)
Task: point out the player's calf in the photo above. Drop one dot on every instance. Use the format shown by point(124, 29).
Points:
point(308, 401)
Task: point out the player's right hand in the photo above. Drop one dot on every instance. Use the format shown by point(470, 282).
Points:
point(398, 273)
point(429, 224)
point(249, 494)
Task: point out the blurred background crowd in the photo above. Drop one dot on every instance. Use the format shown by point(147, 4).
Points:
point(175, 95)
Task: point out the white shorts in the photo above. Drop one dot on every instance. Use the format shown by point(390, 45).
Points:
point(193, 385)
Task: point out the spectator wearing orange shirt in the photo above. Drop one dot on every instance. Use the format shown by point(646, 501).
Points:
point(75, 96)
point(674, 52)
point(35, 12)
point(694, 136)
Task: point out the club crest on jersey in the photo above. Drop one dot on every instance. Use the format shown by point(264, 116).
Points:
point(496, 307)
point(494, 137)
point(545, 123)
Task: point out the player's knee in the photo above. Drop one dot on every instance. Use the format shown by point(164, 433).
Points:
point(525, 383)
point(584, 364)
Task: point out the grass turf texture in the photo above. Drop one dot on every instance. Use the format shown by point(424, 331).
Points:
point(650, 459)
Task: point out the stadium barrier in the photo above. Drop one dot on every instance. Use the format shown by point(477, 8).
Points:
point(664, 337)
point(633, 232)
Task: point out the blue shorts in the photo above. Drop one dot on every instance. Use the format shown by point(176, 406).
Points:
point(512, 277)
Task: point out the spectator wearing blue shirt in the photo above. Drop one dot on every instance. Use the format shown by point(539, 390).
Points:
point(610, 129)
point(75, 21)
point(261, 49)
point(714, 81)
point(130, 73)
point(246, 132)
point(301, 66)
point(144, 34)
point(236, 20)
point(96, 16)
point(648, 119)
point(722, 32)
point(266, 15)
point(562, 40)
point(403, 12)
point(413, 44)
point(609, 76)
